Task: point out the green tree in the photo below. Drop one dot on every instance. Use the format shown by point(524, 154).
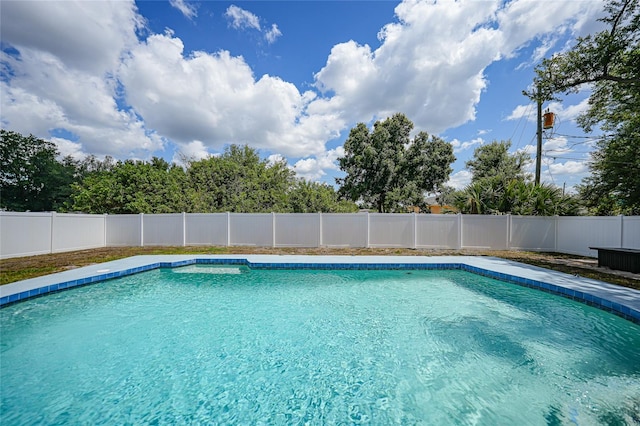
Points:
point(529, 199)
point(499, 184)
point(608, 61)
point(312, 197)
point(239, 181)
point(494, 160)
point(492, 196)
point(132, 187)
point(386, 169)
point(31, 177)
point(236, 181)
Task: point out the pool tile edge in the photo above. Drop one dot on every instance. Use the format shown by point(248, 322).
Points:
point(501, 269)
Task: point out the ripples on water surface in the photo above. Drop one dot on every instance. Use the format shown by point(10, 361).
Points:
point(211, 345)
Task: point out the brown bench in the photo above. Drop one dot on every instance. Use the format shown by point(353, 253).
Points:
point(622, 259)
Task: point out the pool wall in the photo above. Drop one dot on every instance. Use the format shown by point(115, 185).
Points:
point(621, 301)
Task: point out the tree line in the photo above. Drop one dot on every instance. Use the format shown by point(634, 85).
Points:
point(385, 170)
point(32, 178)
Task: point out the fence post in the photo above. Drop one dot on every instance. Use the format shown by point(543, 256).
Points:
point(228, 229)
point(460, 231)
point(320, 229)
point(184, 229)
point(509, 227)
point(273, 229)
point(141, 229)
point(368, 230)
point(621, 230)
point(415, 230)
point(555, 233)
point(105, 229)
point(53, 224)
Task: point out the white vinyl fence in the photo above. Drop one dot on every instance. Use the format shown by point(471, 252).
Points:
point(25, 234)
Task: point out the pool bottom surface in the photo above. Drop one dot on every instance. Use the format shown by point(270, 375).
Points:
point(206, 344)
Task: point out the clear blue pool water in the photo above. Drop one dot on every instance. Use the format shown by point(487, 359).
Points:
point(212, 345)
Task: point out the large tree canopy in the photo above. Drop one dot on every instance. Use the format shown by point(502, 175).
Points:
point(236, 181)
point(386, 169)
point(611, 55)
point(132, 187)
point(239, 181)
point(609, 62)
point(494, 160)
point(31, 177)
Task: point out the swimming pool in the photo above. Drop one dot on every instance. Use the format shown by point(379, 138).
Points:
point(229, 344)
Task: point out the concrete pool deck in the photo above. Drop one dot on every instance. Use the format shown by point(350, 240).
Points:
point(622, 301)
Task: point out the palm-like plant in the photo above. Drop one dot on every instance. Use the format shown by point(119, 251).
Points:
point(493, 196)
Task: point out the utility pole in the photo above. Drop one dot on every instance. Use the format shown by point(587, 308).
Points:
point(539, 136)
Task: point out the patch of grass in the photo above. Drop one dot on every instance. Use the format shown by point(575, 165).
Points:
point(22, 268)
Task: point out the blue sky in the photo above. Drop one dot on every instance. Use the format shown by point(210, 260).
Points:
point(183, 79)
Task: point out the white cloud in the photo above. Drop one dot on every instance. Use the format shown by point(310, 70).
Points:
point(314, 168)
point(86, 35)
point(555, 146)
point(275, 158)
point(69, 148)
point(529, 149)
point(188, 10)
point(272, 34)
point(215, 98)
point(522, 111)
point(460, 179)
point(463, 146)
point(423, 69)
point(570, 167)
point(64, 75)
point(431, 62)
point(241, 19)
point(192, 151)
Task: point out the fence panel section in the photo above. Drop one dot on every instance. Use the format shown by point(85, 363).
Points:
point(124, 230)
point(631, 232)
point(533, 233)
point(344, 229)
point(297, 230)
point(24, 234)
point(577, 233)
point(391, 230)
point(77, 232)
point(206, 229)
point(486, 232)
point(163, 229)
point(251, 229)
point(437, 231)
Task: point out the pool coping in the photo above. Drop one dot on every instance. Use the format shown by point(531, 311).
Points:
point(621, 301)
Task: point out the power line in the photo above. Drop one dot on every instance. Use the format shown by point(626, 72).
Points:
point(549, 170)
point(585, 137)
point(585, 160)
point(528, 114)
point(557, 157)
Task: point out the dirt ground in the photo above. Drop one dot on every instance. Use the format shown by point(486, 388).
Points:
point(28, 267)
